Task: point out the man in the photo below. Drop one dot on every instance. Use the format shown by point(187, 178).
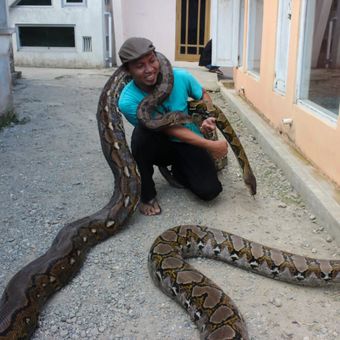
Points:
point(183, 147)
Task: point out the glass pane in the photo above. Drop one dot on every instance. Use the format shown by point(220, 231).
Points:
point(47, 36)
point(183, 20)
point(192, 29)
point(34, 3)
point(202, 22)
point(241, 34)
point(182, 50)
point(255, 35)
point(320, 74)
point(192, 50)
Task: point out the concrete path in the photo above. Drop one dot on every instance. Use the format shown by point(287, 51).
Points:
point(53, 172)
point(320, 194)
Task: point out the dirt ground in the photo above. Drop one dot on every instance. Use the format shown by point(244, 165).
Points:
point(53, 172)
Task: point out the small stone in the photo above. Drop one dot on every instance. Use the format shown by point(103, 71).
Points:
point(314, 251)
point(94, 331)
point(329, 239)
point(54, 329)
point(312, 217)
point(64, 333)
point(276, 302)
point(282, 205)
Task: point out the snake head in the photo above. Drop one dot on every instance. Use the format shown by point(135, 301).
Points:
point(250, 182)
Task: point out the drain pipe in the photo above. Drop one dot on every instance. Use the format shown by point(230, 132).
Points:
point(109, 34)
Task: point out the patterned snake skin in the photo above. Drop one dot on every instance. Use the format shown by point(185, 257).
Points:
point(216, 316)
point(29, 289)
point(214, 313)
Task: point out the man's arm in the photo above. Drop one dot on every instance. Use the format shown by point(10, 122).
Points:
point(217, 149)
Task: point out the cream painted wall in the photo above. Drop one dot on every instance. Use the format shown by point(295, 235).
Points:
point(152, 19)
point(316, 137)
point(88, 21)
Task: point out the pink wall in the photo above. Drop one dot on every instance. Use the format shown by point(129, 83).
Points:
point(153, 19)
point(315, 136)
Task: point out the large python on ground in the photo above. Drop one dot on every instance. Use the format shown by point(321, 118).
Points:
point(214, 313)
point(29, 289)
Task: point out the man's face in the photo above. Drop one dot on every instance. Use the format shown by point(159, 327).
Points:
point(144, 71)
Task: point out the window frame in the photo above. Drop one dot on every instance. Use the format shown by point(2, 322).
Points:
point(44, 48)
point(35, 6)
point(241, 35)
point(64, 3)
point(313, 107)
point(252, 72)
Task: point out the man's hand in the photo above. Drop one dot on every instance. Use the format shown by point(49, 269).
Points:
point(218, 149)
point(208, 125)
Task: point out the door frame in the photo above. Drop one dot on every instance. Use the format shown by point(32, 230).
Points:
point(190, 57)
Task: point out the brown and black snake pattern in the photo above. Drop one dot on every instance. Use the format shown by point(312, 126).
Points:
point(215, 314)
point(29, 289)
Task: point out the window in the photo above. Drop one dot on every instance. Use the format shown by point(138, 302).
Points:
point(74, 2)
point(241, 34)
point(87, 44)
point(319, 64)
point(46, 36)
point(282, 45)
point(255, 20)
point(34, 3)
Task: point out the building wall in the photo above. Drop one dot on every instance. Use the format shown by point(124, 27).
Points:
point(152, 19)
point(6, 98)
point(88, 21)
point(315, 136)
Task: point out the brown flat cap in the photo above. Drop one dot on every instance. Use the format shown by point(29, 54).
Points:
point(134, 48)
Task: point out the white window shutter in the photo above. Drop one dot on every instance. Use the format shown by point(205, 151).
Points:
point(282, 45)
point(225, 28)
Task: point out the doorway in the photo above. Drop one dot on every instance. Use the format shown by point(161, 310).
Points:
point(192, 28)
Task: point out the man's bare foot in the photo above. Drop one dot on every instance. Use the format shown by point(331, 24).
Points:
point(150, 208)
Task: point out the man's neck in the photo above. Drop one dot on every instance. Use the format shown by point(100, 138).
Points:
point(145, 88)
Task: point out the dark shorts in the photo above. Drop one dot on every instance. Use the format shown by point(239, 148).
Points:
point(192, 166)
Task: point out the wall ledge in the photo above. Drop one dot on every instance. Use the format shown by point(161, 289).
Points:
point(321, 195)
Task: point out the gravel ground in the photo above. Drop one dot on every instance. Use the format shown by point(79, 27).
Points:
point(53, 172)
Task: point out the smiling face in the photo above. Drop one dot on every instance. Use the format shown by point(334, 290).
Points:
point(144, 71)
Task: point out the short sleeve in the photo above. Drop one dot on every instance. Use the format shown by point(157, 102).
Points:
point(128, 104)
point(195, 89)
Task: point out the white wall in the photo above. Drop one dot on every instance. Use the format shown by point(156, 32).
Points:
point(152, 19)
point(6, 98)
point(88, 21)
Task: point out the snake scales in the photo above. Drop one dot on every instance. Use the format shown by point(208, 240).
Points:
point(214, 313)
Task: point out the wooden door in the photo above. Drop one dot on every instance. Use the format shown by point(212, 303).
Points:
point(192, 28)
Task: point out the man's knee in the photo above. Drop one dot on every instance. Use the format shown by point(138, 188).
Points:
point(208, 192)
